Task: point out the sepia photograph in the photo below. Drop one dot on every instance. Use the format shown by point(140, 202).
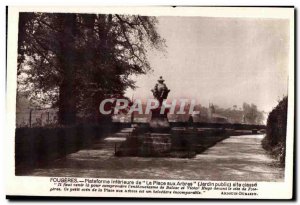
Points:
point(155, 96)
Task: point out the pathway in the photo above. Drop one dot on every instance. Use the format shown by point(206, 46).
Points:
point(235, 158)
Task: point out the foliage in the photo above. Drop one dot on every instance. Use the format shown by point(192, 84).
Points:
point(275, 139)
point(251, 114)
point(39, 146)
point(72, 61)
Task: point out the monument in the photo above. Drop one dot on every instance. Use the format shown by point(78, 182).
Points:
point(158, 141)
point(155, 141)
point(159, 121)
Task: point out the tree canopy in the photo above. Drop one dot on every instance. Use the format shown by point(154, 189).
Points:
point(251, 114)
point(72, 61)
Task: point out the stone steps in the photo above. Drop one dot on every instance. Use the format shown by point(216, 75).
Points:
point(114, 140)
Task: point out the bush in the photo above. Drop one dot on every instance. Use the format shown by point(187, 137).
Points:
point(275, 139)
point(39, 146)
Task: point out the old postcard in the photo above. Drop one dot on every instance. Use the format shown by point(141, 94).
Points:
point(150, 102)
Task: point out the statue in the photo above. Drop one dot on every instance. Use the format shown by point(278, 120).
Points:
point(156, 140)
point(159, 121)
point(160, 91)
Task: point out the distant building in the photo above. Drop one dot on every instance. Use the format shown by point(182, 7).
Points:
point(214, 117)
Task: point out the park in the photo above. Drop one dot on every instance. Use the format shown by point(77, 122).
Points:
point(150, 97)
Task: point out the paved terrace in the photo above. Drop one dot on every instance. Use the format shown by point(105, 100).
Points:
point(235, 158)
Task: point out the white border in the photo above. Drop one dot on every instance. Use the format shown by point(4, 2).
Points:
point(38, 185)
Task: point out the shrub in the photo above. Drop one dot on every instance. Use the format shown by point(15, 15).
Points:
point(39, 146)
point(275, 139)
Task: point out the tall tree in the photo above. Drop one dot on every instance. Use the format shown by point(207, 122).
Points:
point(72, 61)
point(251, 114)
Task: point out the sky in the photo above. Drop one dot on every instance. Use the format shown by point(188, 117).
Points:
point(225, 61)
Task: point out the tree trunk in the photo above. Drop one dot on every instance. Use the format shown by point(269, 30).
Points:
point(67, 103)
point(67, 94)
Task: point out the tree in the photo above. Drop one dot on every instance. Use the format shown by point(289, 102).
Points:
point(72, 61)
point(251, 114)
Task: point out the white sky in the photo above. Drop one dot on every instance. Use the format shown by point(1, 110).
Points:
point(226, 61)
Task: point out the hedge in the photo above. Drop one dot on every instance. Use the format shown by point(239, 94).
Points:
point(275, 139)
point(39, 146)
